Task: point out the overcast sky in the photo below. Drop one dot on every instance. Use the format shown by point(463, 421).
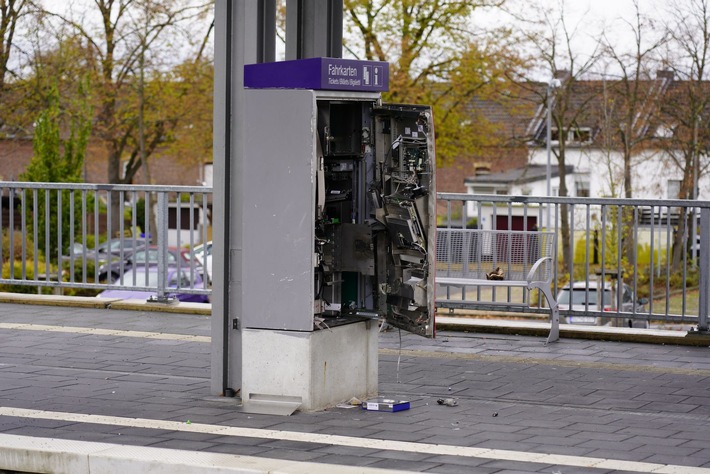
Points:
point(584, 19)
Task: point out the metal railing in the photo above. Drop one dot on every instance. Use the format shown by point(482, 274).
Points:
point(629, 247)
point(93, 237)
point(53, 235)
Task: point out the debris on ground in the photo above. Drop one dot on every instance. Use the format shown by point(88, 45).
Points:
point(449, 402)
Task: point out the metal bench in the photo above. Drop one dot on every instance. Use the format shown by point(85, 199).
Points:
point(524, 259)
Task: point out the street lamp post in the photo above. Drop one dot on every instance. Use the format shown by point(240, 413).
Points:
point(553, 84)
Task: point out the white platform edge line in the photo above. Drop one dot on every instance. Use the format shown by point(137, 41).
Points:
point(106, 332)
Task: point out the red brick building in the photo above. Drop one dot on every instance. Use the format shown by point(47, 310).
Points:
point(16, 154)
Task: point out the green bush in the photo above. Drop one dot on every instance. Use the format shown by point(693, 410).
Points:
point(29, 274)
point(18, 238)
point(79, 270)
point(140, 213)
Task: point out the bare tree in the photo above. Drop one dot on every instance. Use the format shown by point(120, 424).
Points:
point(11, 13)
point(687, 110)
point(631, 103)
point(570, 100)
point(126, 30)
point(635, 95)
point(13, 16)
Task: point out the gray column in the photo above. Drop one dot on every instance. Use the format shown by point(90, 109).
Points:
point(314, 28)
point(704, 264)
point(266, 23)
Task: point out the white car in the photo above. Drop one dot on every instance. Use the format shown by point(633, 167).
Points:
point(586, 298)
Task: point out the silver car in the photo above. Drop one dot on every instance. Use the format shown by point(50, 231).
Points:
point(583, 297)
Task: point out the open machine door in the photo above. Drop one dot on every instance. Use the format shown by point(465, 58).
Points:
point(404, 196)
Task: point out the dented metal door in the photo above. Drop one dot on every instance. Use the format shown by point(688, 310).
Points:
point(405, 205)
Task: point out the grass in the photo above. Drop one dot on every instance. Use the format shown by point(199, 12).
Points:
point(675, 303)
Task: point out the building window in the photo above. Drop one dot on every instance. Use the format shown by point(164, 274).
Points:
point(673, 189)
point(478, 189)
point(207, 174)
point(577, 135)
point(582, 188)
point(483, 190)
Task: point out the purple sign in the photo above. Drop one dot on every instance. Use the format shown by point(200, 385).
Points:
point(319, 74)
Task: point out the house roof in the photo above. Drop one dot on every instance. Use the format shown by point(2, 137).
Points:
point(608, 107)
point(510, 111)
point(522, 175)
point(519, 112)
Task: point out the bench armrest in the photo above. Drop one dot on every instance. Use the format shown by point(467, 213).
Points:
point(531, 273)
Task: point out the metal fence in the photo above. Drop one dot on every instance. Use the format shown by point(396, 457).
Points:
point(651, 256)
point(87, 238)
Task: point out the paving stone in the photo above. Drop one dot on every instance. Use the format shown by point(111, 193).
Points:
point(405, 465)
point(552, 440)
point(515, 465)
point(619, 454)
point(292, 455)
point(677, 460)
point(292, 445)
point(470, 462)
point(238, 449)
point(454, 469)
point(346, 460)
point(182, 444)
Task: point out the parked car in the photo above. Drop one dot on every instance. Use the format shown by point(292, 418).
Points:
point(586, 298)
point(109, 249)
point(147, 276)
point(146, 256)
point(203, 254)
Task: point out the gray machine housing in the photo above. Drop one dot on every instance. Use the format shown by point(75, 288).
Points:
point(343, 223)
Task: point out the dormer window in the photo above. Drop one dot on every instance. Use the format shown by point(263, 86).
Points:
point(664, 131)
point(572, 136)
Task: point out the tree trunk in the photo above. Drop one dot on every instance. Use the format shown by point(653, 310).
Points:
point(114, 167)
point(567, 258)
point(680, 239)
point(629, 245)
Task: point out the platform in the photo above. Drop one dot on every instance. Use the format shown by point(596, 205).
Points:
point(108, 390)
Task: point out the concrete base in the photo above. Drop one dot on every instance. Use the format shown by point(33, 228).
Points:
point(315, 370)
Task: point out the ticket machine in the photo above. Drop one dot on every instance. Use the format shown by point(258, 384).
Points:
point(340, 235)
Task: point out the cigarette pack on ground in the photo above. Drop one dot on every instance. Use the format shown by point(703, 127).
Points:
point(385, 404)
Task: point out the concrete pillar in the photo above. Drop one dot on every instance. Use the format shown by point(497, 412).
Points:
point(245, 34)
point(236, 43)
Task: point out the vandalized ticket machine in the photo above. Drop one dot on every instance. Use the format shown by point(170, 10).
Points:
point(340, 233)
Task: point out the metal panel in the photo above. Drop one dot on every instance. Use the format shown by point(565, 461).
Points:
point(360, 257)
point(407, 190)
point(278, 234)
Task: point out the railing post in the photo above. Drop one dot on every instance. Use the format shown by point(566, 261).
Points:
point(704, 262)
point(162, 232)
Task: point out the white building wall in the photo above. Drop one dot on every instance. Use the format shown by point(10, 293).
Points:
point(650, 173)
